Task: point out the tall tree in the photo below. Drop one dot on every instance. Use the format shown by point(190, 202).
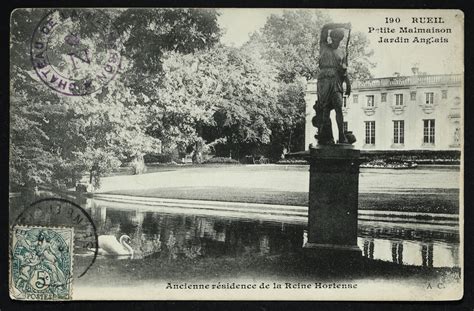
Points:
point(220, 96)
point(151, 38)
point(291, 42)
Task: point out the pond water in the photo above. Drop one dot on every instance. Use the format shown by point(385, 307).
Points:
point(180, 235)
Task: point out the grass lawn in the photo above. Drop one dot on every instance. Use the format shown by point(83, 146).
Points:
point(445, 201)
point(427, 189)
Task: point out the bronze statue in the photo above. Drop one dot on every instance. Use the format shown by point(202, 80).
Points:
point(332, 75)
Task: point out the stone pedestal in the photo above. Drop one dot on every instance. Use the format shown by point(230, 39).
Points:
point(333, 202)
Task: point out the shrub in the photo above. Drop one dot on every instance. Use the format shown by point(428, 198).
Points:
point(159, 158)
point(221, 160)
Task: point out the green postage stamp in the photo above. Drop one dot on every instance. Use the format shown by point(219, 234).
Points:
point(41, 263)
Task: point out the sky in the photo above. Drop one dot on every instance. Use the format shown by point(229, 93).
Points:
point(441, 58)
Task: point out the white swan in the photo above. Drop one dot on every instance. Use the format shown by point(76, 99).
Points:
point(108, 245)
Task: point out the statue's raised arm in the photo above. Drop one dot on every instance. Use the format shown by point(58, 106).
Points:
point(323, 40)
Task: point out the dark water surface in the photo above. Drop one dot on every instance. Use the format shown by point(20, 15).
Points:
point(193, 236)
point(174, 236)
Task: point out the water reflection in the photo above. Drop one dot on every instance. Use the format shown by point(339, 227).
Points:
point(427, 254)
point(410, 247)
point(189, 236)
point(397, 252)
point(368, 248)
point(174, 236)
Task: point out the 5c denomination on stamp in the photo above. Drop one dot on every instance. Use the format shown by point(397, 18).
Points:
point(76, 52)
point(41, 263)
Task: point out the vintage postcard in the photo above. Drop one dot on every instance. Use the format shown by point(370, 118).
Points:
point(236, 154)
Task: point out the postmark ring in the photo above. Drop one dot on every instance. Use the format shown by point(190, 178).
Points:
point(44, 212)
point(76, 52)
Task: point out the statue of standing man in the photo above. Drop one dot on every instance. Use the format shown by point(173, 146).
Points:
point(332, 75)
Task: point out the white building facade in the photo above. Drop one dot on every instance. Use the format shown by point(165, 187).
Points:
point(418, 112)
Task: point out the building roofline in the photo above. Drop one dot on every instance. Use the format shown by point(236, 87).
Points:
point(419, 75)
point(404, 81)
point(395, 82)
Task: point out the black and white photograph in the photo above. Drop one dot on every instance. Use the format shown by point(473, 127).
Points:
point(236, 154)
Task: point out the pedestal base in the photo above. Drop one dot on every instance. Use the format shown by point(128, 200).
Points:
point(333, 203)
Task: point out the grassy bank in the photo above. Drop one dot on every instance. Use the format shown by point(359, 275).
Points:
point(436, 201)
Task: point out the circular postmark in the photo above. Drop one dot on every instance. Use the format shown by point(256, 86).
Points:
point(57, 213)
point(76, 51)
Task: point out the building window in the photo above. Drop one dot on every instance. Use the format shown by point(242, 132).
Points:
point(444, 94)
point(370, 132)
point(429, 131)
point(399, 99)
point(355, 99)
point(383, 98)
point(413, 96)
point(429, 98)
point(344, 102)
point(344, 126)
point(399, 132)
point(370, 101)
